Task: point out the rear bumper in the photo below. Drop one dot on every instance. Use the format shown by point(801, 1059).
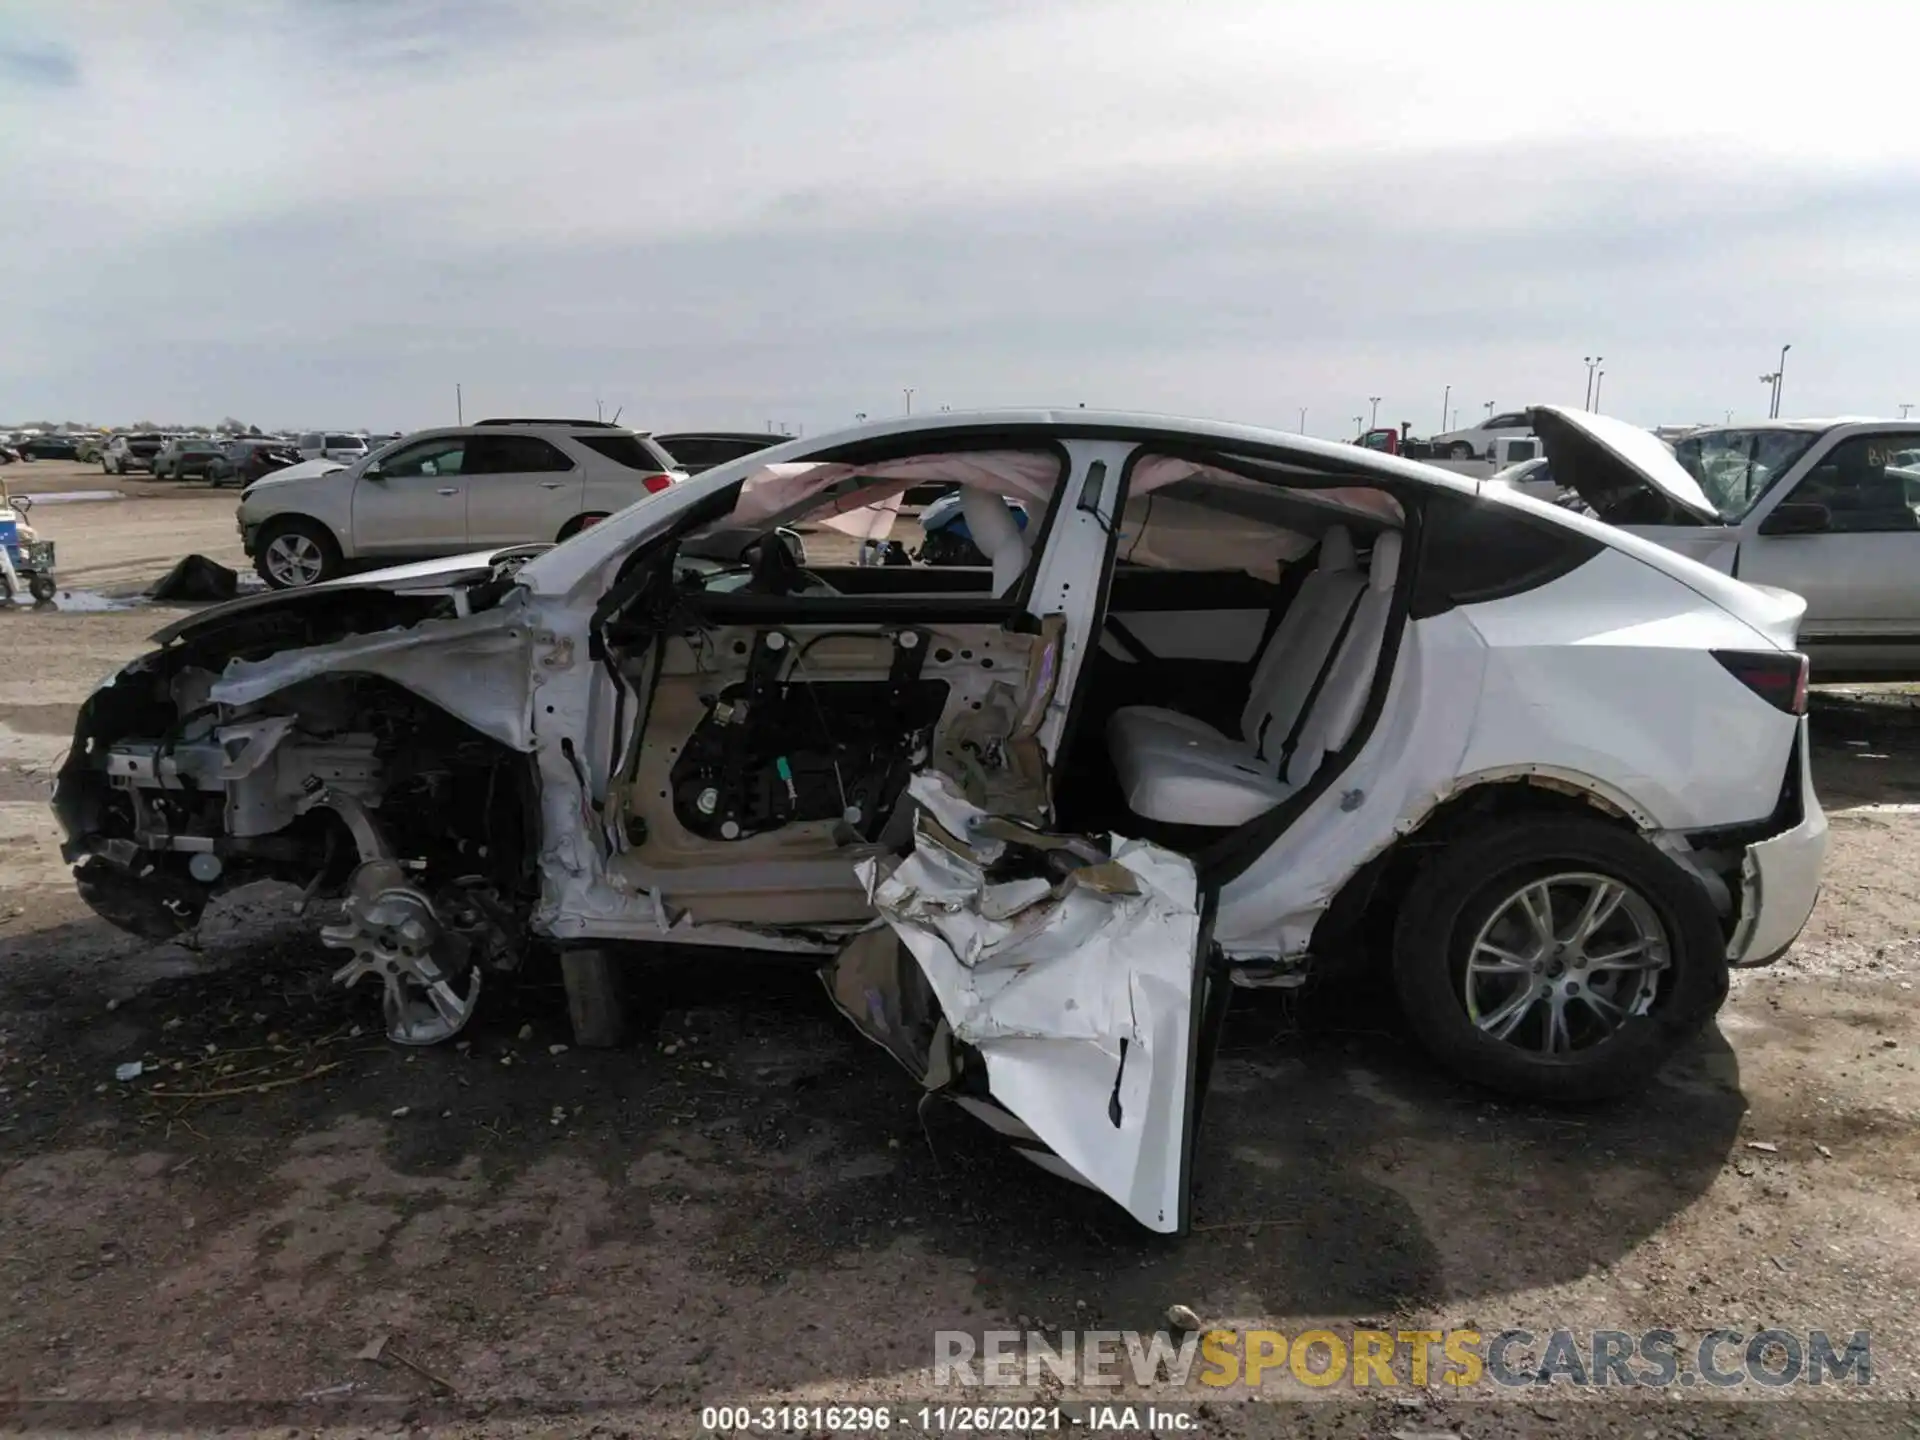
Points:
point(1780, 879)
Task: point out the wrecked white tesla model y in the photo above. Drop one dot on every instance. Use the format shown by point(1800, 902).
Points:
point(1235, 704)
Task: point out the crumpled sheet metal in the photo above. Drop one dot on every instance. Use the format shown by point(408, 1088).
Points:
point(1077, 995)
point(474, 667)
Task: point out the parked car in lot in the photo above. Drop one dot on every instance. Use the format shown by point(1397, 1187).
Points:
point(1475, 442)
point(242, 462)
point(1234, 705)
point(320, 445)
point(186, 455)
point(697, 450)
point(127, 453)
point(442, 492)
point(49, 447)
point(1530, 477)
point(1826, 509)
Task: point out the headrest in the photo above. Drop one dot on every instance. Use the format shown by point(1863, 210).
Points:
point(1386, 561)
point(1336, 549)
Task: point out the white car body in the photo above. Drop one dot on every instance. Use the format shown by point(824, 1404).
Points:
point(910, 774)
point(444, 492)
point(1476, 441)
point(1835, 519)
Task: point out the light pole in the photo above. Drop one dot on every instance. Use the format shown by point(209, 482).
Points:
point(1599, 375)
point(1374, 421)
point(1356, 424)
point(1446, 399)
point(1904, 408)
point(907, 390)
point(1303, 419)
point(1770, 381)
point(1489, 409)
point(1593, 363)
point(1779, 374)
point(860, 416)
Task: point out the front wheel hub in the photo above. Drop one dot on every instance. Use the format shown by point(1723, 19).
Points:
point(396, 935)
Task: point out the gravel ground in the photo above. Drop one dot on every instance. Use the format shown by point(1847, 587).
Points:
point(747, 1207)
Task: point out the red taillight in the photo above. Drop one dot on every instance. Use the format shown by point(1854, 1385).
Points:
point(656, 483)
point(1780, 680)
point(591, 521)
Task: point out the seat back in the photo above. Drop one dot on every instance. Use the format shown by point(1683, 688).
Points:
point(1302, 645)
point(1335, 711)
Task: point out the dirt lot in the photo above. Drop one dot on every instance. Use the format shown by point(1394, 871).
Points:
point(747, 1207)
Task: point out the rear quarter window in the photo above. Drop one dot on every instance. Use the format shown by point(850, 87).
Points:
point(630, 451)
point(1472, 551)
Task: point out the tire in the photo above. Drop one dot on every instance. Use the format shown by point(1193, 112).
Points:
point(42, 588)
point(1462, 907)
point(295, 552)
point(1460, 450)
point(579, 522)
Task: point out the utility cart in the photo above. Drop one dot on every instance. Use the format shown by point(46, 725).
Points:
point(26, 562)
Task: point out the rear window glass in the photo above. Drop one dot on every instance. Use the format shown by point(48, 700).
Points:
point(336, 441)
point(628, 450)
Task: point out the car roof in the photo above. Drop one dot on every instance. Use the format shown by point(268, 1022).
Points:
point(1018, 428)
point(519, 427)
point(1814, 424)
point(743, 436)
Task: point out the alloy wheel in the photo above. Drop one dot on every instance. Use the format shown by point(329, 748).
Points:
point(1563, 962)
point(294, 560)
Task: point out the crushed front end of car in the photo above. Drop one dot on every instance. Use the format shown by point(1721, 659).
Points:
point(366, 745)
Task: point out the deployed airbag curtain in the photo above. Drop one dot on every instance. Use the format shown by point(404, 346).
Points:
point(1077, 992)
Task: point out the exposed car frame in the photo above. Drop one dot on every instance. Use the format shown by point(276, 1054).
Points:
point(614, 740)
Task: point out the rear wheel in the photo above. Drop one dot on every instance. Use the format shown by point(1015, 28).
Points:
point(296, 552)
point(1460, 450)
point(1556, 959)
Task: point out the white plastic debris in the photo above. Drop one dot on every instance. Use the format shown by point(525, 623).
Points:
point(132, 1070)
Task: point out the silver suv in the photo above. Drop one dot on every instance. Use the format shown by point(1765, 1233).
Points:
point(445, 492)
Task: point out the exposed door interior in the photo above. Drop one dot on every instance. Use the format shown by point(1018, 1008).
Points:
point(785, 699)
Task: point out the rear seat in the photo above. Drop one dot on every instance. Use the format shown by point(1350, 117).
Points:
point(1305, 699)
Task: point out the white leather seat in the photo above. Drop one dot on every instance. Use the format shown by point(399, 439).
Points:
point(1307, 693)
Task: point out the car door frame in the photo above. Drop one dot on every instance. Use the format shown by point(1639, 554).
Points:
point(540, 487)
point(414, 540)
point(1898, 647)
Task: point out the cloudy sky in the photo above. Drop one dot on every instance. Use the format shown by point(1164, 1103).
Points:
point(725, 213)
